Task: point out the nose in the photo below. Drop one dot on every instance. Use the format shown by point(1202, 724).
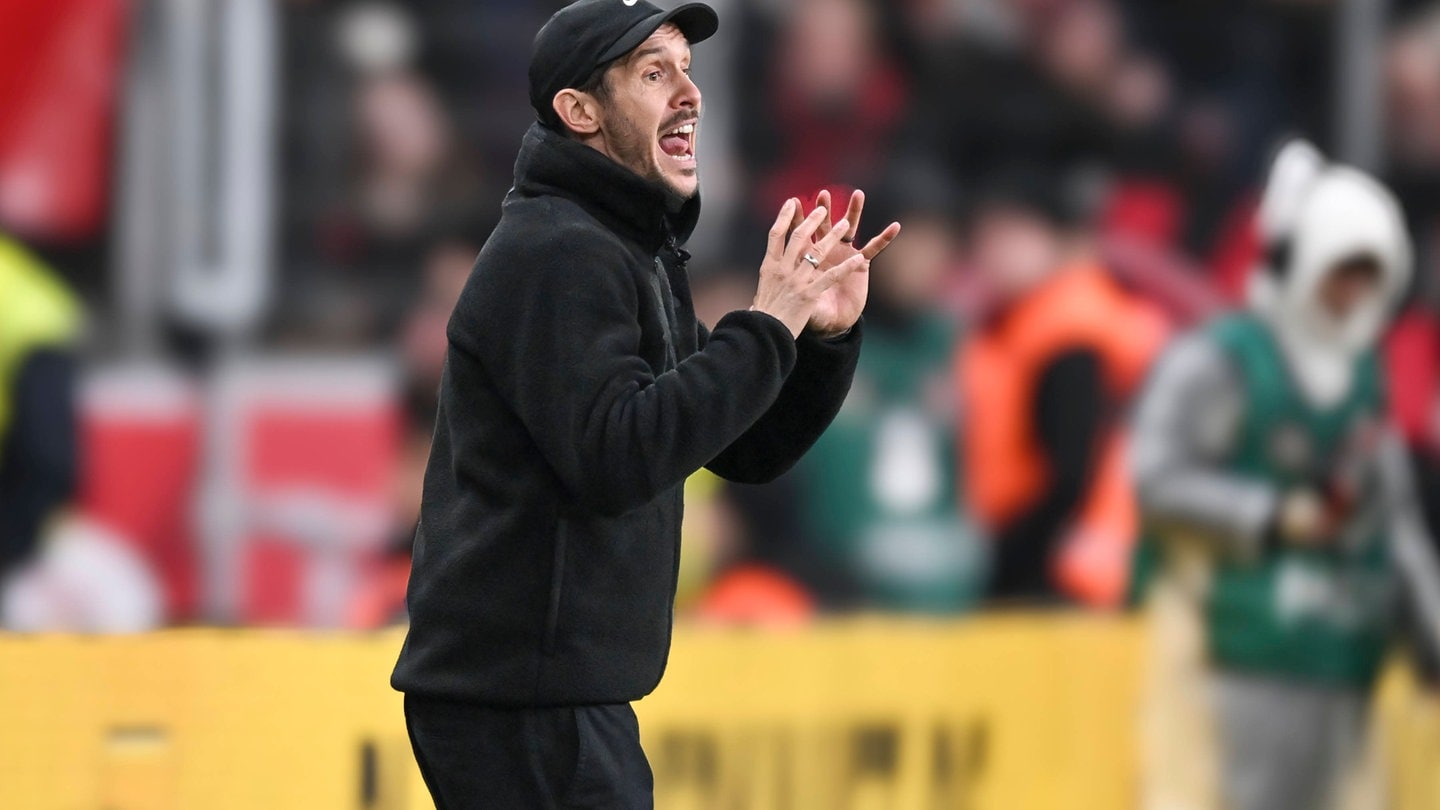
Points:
point(688, 95)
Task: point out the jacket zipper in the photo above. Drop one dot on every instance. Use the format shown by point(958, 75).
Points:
point(660, 285)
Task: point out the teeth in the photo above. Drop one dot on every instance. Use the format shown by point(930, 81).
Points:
point(682, 130)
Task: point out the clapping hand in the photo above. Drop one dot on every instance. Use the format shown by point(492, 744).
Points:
point(839, 307)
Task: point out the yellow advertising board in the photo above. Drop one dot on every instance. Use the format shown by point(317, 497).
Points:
point(1001, 712)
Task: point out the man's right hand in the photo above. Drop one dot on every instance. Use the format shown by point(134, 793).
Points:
point(1305, 519)
point(790, 284)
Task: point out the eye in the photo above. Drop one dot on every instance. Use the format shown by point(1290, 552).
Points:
point(653, 76)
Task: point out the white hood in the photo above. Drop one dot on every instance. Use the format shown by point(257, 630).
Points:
point(1329, 214)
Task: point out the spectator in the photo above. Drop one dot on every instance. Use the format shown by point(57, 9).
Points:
point(423, 344)
point(1413, 348)
point(1282, 506)
point(38, 326)
point(1081, 45)
point(1413, 128)
point(1044, 379)
point(408, 181)
point(829, 100)
point(1412, 357)
point(993, 107)
point(423, 341)
point(1246, 72)
point(879, 491)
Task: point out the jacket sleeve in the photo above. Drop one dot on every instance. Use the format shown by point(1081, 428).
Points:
point(557, 331)
point(1186, 422)
point(806, 405)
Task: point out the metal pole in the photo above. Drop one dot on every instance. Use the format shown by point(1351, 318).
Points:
point(222, 279)
point(226, 159)
point(1360, 97)
point(142, 253)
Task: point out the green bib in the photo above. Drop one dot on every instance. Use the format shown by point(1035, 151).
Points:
point(1317, 615)
point(881, 488)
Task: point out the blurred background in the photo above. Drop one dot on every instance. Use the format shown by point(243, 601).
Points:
point(232, 231)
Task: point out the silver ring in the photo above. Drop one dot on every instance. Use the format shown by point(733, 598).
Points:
point(814, 262)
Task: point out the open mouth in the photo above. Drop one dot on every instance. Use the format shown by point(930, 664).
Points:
point(679, 143)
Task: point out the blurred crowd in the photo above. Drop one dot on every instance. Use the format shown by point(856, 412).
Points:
point(1077, 180)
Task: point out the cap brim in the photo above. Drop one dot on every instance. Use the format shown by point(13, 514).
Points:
point(697, 21)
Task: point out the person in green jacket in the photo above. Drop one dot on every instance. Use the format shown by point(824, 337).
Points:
point(38, 323)
point(1276, 497)
point(879, 491)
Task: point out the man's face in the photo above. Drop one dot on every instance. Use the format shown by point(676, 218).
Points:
point(1014, 249)
point(1348, 285)
point(915, 267)
point(650, 119)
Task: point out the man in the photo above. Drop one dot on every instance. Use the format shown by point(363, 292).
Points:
point(1044, 378)
point(1281, 506)
point(579, 393)
point(39, 320)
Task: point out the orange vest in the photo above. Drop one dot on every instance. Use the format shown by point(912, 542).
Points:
point(1000, 368)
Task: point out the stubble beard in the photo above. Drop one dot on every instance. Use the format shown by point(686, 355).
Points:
point(635, 151)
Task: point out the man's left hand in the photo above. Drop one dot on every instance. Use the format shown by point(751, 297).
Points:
point(840, 306)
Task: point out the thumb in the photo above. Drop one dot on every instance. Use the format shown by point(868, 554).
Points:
point(838, 273)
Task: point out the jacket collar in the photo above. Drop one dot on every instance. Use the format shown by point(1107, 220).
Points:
point(552, 164)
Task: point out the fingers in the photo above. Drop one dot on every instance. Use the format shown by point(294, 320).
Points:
point(797, 217)
point(874, 247)
point(830, 237)
point(775, 245)
point(852, 215)
point(838, 273)
point(820, 229)
point(800, 240)
point(822, 200)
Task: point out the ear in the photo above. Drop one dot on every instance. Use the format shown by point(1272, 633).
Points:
point(578, 111)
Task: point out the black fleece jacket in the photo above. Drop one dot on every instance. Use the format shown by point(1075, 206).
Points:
point(579, 392)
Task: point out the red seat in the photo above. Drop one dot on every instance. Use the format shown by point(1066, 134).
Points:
point(140, 447)
point(303, 494)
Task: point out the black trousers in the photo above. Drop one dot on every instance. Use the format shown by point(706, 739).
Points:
point(476, 757)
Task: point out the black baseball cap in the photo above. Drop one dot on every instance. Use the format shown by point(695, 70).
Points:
point(587, 34)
